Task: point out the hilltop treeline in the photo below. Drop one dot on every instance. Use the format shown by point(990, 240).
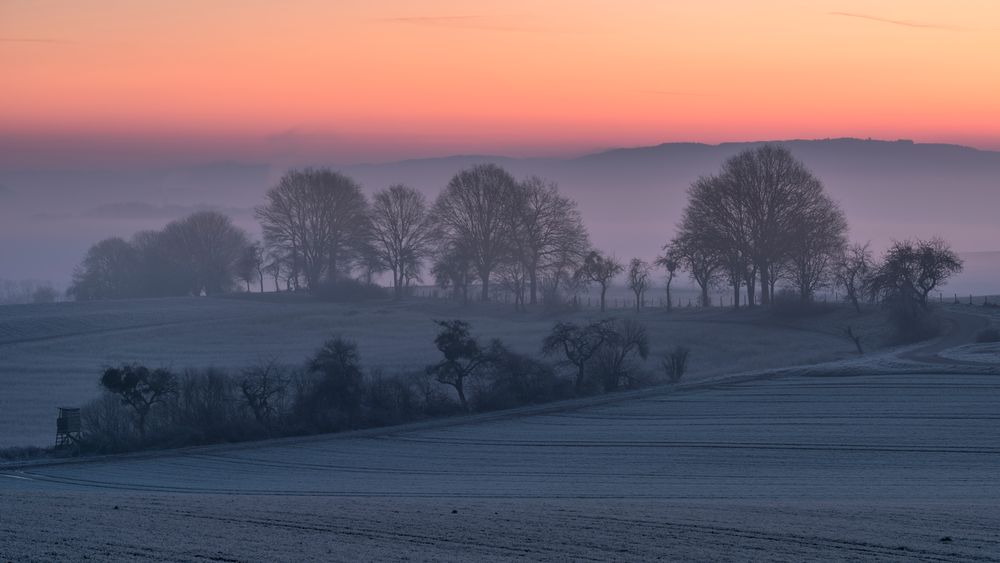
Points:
point(761, 224)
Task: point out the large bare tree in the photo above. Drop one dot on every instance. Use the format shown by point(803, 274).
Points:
point(547, 231)
point(762, 215)
point(778, 192)
point(401, 233)
point(818, 240)
point(475, 212)
point(207, 247)
point(319, 218)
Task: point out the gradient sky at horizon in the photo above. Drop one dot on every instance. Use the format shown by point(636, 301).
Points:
point(98, 82)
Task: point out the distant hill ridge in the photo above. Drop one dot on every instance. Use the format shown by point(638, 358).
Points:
point(631, 198)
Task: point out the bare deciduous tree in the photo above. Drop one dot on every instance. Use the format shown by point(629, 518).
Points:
point(463, 357)
point(600, 269)
point(701, 261)
point(818, 240)
point(764, 214)
point(913, 269)
point(578, 343)
point(264, 388)
point(319, 218)
point(547, 231)
point(140, 388)
point(401, 232)
point(638, 280)
point(852, 271)
point(671, 263)
point(453, 269)
point(474, 211)
point(108, 271)
point(624, 339)
point(207, 247)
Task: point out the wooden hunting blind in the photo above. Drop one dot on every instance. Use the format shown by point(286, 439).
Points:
point(68, 426)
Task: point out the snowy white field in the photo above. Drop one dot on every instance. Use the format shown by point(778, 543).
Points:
point(52, 355)
point(803, 467)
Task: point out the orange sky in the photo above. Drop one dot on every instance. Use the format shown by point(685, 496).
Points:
point(352, 80)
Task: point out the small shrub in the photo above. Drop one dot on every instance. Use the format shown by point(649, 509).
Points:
point(988, 335)
point(349, 291)
point(675, 363)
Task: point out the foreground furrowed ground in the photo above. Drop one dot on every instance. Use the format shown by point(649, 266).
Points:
point(792, 468)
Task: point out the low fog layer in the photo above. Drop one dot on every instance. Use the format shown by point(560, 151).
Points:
point(630, 199)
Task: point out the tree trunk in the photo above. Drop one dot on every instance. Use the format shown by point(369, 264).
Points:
point(670, 303)
point(604, 290)
point(581, 374)
point(705, 300)
point(460, 387)
point(736, 294)
point(484, 276)
point(533, 276)
point(765, 285)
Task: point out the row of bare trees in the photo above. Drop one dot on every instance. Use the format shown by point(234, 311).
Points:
point(765, 219)
point(484, 227)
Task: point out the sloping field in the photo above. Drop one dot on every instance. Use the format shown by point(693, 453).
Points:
point(52, 355)
point(890, 467)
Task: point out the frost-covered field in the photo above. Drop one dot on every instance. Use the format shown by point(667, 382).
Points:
point(51, 355)
point(794, 468)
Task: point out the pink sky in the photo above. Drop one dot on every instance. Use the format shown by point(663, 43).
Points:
point(109, 82)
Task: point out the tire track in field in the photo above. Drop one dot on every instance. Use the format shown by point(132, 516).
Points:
point(118, 330)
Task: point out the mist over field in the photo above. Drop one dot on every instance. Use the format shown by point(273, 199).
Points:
point(630, 198)
point(458, 281)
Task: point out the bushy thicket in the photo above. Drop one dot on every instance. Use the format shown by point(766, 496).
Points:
point(148, 408)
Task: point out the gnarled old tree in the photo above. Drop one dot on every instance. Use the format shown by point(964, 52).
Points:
point(319, 219)
point(475, 212)
point(912, 269)
point(671, 263)
point(401, 231)
point(852, 271)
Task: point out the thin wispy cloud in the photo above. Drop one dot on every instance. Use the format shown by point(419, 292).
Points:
point(903, 23)
point(678, 93)
point(42, 40)
point(492, 23)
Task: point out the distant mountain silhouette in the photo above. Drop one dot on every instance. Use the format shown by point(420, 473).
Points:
point(631, 198)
